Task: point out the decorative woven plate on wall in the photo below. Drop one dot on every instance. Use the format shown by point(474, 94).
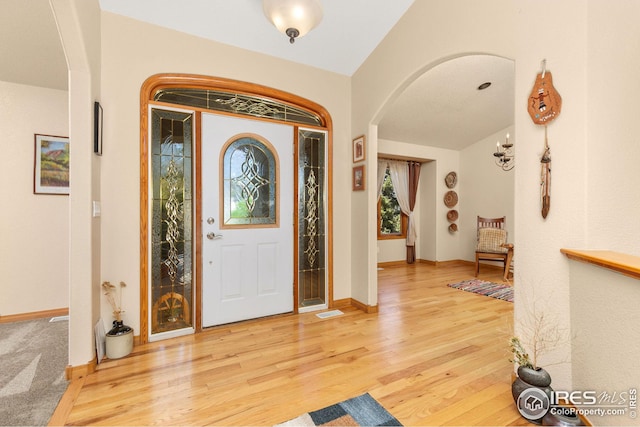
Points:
point(451, 179)
point(452, 215)
point(450, 199)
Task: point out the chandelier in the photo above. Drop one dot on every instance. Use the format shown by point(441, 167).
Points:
point(504, 156)
point(295, 18)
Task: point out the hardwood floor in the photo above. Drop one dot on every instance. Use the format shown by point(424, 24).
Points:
point(432, 355)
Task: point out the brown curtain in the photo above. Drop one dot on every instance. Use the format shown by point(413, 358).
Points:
point(414, 178)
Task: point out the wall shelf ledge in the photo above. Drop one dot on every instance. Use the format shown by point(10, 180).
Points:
point(626, 264)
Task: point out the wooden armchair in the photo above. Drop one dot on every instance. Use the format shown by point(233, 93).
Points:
point(492, 244)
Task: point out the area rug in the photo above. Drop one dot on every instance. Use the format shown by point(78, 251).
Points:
point(33, 356)
point(490, 289)
point(363, 410)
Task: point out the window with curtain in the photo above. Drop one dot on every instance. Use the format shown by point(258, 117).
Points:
point(392, 223)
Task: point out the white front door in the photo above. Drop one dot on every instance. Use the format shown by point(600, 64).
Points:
point(247, 215)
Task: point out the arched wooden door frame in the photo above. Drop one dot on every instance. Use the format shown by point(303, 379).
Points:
point(159, 82)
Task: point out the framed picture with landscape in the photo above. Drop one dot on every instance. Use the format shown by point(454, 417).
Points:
point(51, 165)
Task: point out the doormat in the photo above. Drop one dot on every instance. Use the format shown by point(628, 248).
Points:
point(331, 313)
point(490, 289)
point(363, 410)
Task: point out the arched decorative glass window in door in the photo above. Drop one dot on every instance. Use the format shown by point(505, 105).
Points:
point(249, 171)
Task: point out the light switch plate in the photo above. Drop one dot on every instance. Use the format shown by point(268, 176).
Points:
point(96, 209)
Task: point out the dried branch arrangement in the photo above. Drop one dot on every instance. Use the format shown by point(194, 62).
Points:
point(541, 336)
point(114, 297)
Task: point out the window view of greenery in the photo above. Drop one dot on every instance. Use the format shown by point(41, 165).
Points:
point(390, 214)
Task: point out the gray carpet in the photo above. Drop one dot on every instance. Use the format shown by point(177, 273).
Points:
point(33, 357)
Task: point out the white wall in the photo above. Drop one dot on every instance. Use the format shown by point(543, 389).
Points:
point(542, 273)
point(487, 190)
point(603, 303)
point(428, 241)
point(613, 143)
point(34, 255)
point(132, 51)
point(607, 343)
point(78, 22)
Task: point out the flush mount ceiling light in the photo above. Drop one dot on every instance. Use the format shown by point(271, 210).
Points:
point(295, 18)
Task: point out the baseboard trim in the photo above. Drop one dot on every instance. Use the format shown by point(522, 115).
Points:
point(392, 264)
point(403, 263)
point(369, 309)
point(453, 263)
point(81, 371)
point(350, 302)
point(34, 315)
point(450, 263)
point(341, 303)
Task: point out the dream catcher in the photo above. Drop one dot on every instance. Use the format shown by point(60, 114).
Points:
point(544, 106)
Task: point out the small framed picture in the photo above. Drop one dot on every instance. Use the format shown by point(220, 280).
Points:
point(51, 165)
point(359, 149)
point(358, 178)
point(97, 128)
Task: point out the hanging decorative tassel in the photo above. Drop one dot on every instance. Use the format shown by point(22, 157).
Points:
point(545, 177)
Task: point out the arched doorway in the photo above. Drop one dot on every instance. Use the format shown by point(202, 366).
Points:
point(439, 114)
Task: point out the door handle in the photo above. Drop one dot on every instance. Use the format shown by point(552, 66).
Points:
point(211, 235)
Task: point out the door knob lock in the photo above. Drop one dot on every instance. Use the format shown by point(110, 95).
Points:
point(211, 235)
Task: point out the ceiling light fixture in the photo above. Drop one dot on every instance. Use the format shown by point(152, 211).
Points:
point(295, 18)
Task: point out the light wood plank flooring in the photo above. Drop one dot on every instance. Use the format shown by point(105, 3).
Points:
point(433, 355)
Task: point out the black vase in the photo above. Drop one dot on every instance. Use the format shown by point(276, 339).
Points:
point(531, 378)
point(119, 328)
point(537, 377)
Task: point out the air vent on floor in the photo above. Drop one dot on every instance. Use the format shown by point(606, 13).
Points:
point(331, 313)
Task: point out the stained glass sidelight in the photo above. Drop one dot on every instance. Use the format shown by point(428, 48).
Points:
point(312, 259)
point(171, 224)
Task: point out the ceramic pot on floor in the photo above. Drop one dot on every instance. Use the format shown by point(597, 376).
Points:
point(119, 340)
point(531, 378)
